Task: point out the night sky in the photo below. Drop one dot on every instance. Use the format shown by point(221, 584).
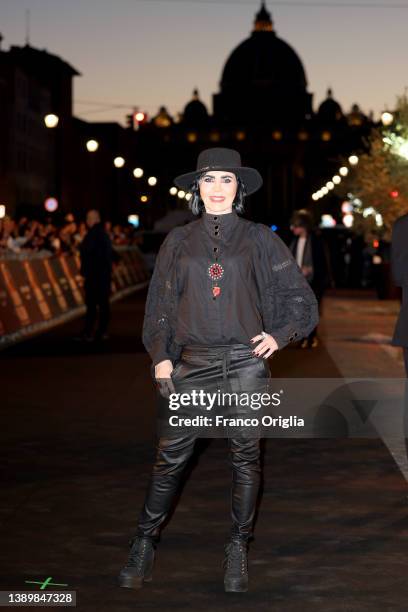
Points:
point(149, 53)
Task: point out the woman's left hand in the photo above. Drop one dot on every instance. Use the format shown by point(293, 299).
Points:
point(265, 348)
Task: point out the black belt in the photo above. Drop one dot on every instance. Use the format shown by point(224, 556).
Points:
point(220, 352)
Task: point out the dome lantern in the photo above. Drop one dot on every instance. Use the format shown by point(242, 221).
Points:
point(263, 21)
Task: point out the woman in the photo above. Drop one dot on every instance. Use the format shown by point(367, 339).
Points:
point(220, 285)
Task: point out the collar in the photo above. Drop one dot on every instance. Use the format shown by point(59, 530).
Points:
point(219, 226)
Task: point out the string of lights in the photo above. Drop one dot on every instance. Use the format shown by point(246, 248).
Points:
point(400, 146)
point(92, 145)
point(335, 180)
point(397, 144)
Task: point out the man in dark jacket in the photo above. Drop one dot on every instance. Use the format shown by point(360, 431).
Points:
point(399, 260)
point(96, 268)
point(310, 254)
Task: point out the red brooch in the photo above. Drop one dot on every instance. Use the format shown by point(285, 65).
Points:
point(216, 291)
point(215, 271)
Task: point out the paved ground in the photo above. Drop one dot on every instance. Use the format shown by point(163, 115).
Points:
point(357, 333)
point(77, 446)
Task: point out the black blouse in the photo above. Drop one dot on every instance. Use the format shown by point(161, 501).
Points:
point(261, 288)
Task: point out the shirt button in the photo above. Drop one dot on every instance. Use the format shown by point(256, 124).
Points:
point(215, 218)
point(216, 233)
point(217, 227)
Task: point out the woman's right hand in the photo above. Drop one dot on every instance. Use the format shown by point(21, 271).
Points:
point(163, 369)
point(162, 373)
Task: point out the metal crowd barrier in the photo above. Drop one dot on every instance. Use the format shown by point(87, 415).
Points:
point(38, 293)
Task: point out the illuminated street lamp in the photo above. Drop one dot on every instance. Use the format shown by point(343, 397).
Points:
point(353, 160)
point(92, 145)
point(173, 190)
point(181, 194)
point(336, 179)
point(51, 120)
point(346, 207)
point(133, 220)
point(344, 171)
point(2, 211)
point(119, 162)
point(51, 204)
point(330, 185)
point(188, 196)
point(138, 172)
point(152, 180)
point(327, 221)
point(348, 220)
point(315, 197)
point(387, 118)
point(324, 190)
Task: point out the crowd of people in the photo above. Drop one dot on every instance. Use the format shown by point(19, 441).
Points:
point(25, 236)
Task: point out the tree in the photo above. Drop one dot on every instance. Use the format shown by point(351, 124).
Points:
point(380, 180)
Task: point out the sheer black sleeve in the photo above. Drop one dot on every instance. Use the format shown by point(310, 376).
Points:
point(161, 303)
point(289, 306)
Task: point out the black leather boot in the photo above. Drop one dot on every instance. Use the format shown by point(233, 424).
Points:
point(236, 567)
point(140, 563)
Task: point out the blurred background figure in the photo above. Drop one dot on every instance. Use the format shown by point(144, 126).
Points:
point(109, 230)
point(27, 237)
point(15, 236)
point(80, 234)
point(311, 256)
point(96, 268)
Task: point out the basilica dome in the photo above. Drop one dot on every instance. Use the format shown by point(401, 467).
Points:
point(263, 79)
point(263, 59)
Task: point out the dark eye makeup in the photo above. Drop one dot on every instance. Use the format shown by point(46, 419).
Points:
point(210, 179)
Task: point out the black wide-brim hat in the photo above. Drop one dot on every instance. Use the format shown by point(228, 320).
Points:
point(218, 158)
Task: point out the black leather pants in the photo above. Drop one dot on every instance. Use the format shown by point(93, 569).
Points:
point(206, 363)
